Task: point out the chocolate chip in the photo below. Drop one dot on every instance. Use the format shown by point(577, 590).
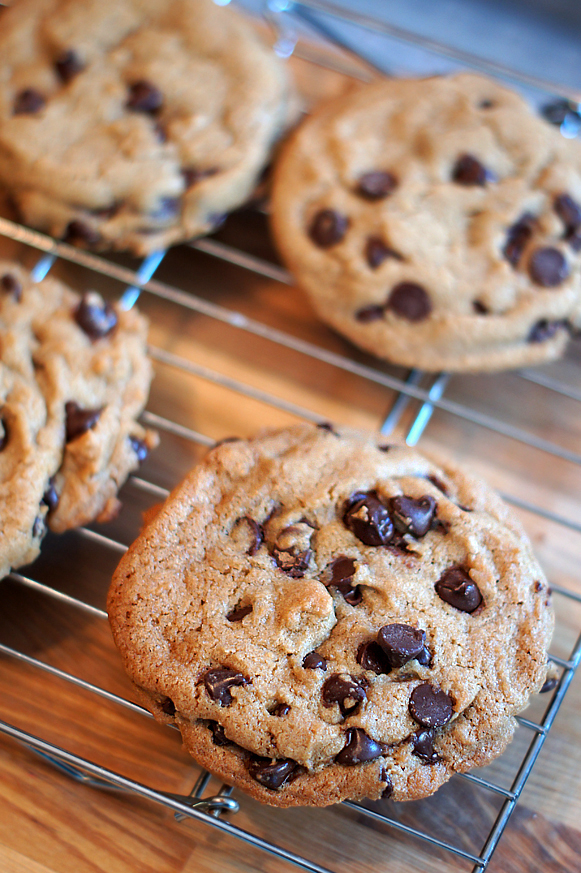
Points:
point(548, 267)
point(385, 777)
point(368, 519)
point(281, 710)
point(368, 314)
point(219, 738)
point(575, 241)
point(345, 690)
point(339, 574)
point(376, 185)
point(28, 102)
point(457, 588)
point(518, 235)
point(239, 612)
point(372, 657)
point(139, 447)
point(50, 497)
point(376, 252)
point(430, 706)
point(144, 97)
point(328, 228)
point(469, 171)
point(292, 551)
point(273, 775)
point(79, 232)
point(96, 317)
point(411, 515)
point(401, 643)
point(167, 207)
point(550, 683)
point(359, 748)
point(193, 175)
point(220, 680)
point(78, 420)
point(168, 706)
point(38, 528)
point(423, 746)
point(256, 530)
point(12, 286)
point(438, 483)
point(480, 308)
point(68, 65)
point(545, 330)
point(314, 661)
point(410, 301)
point(569, 212)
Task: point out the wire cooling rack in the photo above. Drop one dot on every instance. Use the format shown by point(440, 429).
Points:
point(269, 340)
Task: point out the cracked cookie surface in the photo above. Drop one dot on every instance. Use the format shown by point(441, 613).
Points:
point(326, 616)
point(435, 223)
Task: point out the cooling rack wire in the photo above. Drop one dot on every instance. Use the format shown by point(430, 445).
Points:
point(411, 398)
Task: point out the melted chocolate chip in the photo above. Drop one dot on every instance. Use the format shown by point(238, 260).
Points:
point(569, 212)
point(219, 738)
point(550, 683)
point(79, 232)
point(410, 301)
point(401, 643)
point(545, 330)
point(292, 551)
point(168, 706)
point(68, 65)
point(548, 267)
point(385, 777)
point(359, 748)
point(97, 318)
point(345, 690)
point(144, 97)
point(273, 775)
point(372, 657)
point(368, 314)
point(368, 519)
point(376, 252)
point(469, 171)
point(518, 235)
point(256, 530)
point(28, 102)
point(12, 286)
point(314, 661)
point(430, 706)
point(239, 612)
point(423, 746)
point(219, 681)
point(193, 175)
point(341, 572)
point(281, 710)
point(413, 516)
point(78, 420)
point(328, 228)
point(139, 447)
point(457, 588)
point(376, 185)
point(50, 497)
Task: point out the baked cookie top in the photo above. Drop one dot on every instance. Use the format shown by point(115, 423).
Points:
point(326, 615)
point(435, 223)
point(74, 375)
point(133, 123)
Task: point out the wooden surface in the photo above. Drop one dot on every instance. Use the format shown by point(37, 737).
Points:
point(51, 824)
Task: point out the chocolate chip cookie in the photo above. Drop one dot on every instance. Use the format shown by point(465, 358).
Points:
point(325, 615)
point(74, 376)
point(134, 123)
point(435, 223)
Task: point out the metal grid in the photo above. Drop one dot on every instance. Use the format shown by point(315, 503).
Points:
point(428, 394)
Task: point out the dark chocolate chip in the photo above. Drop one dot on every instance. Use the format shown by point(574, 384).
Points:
point(368, 314)
point(411, 515)
point(376, 252)
point(575, 241)
point(345, 690)
point(167, 207)
point(219, 738)
point(341, 572)
point(220, 680)
point(68, 65)
point(480, 308)
point(545, 330)
point(401, 643)
point(423, 746)
point(328, 228)
point(469, 171)
point(50, 497)
point(79, 232)
point(193, 175)
point(376, 185)
point(372, 657)
point(430, 706)
point(96, 317)
point(314, 661)
point(256, 531)
point(144, 97)
point(12, 286)
point(78, 420)
point(281, 710)
point(569, 212)
point(410, 301)
point(550, 683)
point(28, 102)
point(38, 528)
point(292, 551)
point(457, 588)
point(517, 237)
point(359, 748)
point(368, 519)
point(139, 447)
point(438, 483)
point(272, 775)
point(385, 777)
point(425, 657)
point(548, 267)
point(239, 612)
point(168, 706)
